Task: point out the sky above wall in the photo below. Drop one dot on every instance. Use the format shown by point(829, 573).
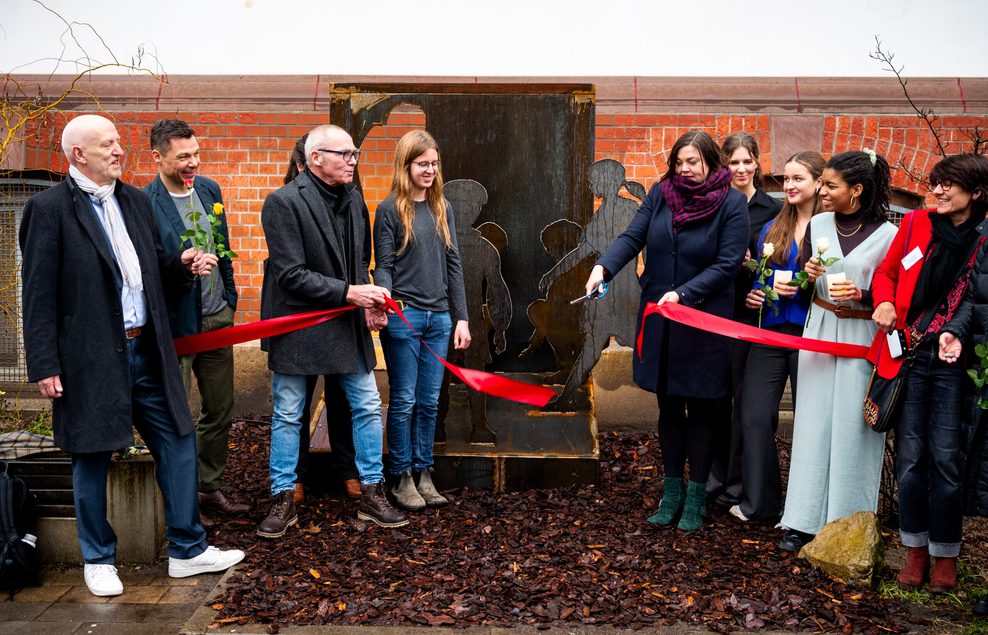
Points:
point(707, 38)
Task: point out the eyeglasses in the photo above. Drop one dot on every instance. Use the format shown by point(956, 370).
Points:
point(425, 165)
point(345, 154)
point(943, 185)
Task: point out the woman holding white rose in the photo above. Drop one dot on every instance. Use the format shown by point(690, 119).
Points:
point(768, 367)
point(836, 462)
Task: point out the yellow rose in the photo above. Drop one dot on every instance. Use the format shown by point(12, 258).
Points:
point(218, 209)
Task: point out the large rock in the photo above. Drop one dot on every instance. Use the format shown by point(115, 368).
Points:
point(848, 549)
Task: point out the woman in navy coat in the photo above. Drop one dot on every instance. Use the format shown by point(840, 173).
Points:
point(694, 229)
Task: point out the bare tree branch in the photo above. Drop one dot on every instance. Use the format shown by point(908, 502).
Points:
point(927, 115)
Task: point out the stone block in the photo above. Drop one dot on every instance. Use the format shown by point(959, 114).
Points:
point(620, 405)
point(134, 510)
point(848, 549)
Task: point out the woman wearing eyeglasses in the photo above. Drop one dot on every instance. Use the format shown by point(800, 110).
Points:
point(919, 290)
point(694, 229)
point(418, 261)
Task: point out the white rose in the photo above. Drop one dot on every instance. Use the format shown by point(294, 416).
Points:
point(822, 244)
point(767, 250)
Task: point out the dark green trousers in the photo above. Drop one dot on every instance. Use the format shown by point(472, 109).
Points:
point(214, 377)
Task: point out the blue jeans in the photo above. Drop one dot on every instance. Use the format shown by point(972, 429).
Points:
point(175, 468)
point(415, 378)
point(361, 392)
point(928, 454)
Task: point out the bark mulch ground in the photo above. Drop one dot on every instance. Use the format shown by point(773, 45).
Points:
point(568, 557)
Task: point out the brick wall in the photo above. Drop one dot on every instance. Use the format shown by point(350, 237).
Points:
point(246, 149)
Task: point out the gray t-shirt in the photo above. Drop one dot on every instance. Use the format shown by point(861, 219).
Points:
point(212, 303)
point(426, 275)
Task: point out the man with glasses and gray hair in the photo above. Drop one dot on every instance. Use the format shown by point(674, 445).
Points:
point(319, 248)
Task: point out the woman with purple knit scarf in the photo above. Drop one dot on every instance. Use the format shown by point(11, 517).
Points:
point(694, 229)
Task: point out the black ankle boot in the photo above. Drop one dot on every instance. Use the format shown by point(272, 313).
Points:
point(374, 507)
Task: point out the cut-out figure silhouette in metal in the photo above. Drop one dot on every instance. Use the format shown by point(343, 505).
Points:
point(613, 314)
point(556, 323)
point(488, 300)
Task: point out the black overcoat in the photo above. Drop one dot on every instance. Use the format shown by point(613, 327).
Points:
point(73, 323)
point(306, 270)
point(699, 262)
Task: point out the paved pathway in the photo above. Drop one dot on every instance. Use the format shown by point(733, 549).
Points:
point(151, 603)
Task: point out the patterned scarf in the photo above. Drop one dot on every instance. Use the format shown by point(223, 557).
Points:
point(692, 202)
point(950, 303)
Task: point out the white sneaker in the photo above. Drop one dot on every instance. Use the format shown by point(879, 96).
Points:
point(102, 580)
point(209, 561)
point(737, 513)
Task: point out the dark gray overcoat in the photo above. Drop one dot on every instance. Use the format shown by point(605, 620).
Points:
point(73, 324)
point(699, 262)
point(306, 270)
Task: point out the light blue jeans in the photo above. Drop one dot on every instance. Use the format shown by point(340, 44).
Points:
point(288, 392)
point(415, 378)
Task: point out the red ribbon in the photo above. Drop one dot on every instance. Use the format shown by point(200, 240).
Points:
point(729, 328)
point(489, 383)
point(222, 338)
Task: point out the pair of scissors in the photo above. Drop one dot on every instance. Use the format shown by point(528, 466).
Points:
point(596, 294)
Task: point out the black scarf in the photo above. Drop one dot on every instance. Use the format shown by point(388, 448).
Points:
point(950, 248)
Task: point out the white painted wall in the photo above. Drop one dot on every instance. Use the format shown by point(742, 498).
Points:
point(511, 37)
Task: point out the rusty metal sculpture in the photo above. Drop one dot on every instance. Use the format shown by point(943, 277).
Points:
point(488, 300)
point(555, 322)
point(611, 315)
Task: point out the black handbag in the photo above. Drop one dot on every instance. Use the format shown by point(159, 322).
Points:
point(882, 401)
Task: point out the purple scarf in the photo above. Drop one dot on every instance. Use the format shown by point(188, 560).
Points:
point(692, 202)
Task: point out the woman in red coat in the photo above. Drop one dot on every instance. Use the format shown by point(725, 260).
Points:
point(917, 290)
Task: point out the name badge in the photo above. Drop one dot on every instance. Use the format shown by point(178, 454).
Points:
point(912, 258)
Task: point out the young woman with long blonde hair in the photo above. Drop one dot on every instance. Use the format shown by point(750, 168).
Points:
point(418, 261)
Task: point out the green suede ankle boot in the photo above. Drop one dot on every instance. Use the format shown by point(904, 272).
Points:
point(696, 507)
point(671, 504)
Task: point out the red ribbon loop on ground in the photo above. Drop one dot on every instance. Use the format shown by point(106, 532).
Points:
point(222, 338)
point(736, 330)
point(488, 383)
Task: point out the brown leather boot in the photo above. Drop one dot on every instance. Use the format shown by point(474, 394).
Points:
point(916, 567)
point(374, 507)
point(944, 576)
point(216, 501)
point(352, 487)
point(283, 515)
point(298, 496)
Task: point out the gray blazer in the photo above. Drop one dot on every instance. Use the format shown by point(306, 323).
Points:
point(306, 271)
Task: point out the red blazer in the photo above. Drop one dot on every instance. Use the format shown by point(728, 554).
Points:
point(894, 283)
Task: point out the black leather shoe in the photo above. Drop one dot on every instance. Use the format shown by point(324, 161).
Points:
point(216, 501)
point(794, 540)
point(981, 606)
point(282, 516)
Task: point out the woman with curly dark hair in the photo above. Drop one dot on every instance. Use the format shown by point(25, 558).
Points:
point(836, 463)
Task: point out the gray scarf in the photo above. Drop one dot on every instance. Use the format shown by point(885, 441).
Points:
point(123, 248)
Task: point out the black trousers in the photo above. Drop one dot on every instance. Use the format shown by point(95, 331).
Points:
point(340, 428)
point(724, 483)
point(686, 428)
point(766, 372)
